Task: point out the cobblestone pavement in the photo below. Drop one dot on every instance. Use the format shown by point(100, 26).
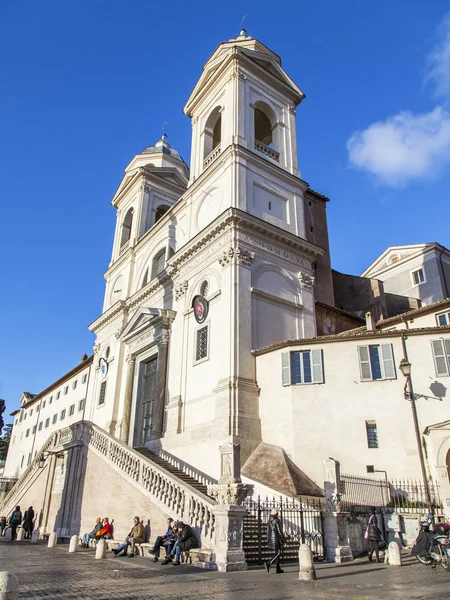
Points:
point(54, 573)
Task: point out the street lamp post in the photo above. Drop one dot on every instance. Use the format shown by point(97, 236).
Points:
point(405, 368)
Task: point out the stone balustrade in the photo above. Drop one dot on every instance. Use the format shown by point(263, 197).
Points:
point(187, 469)
point(270, 152)
point(211, 157)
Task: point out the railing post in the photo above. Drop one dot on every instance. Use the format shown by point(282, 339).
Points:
point(259, 532)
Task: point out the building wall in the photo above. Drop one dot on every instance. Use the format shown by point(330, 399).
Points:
point(359, 295)
point(315, 421)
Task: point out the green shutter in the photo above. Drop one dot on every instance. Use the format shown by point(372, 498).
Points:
point(364, 363)
point(387, 358)
point(440, 357)
point(286, 368)
point(317, 366)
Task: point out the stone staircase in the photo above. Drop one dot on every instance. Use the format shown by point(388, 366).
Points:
point(174, 470)
point(257, 552)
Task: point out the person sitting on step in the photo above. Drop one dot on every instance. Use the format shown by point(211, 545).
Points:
point(136, 536)
point(167, 540)
point(186, 541)
point(90, 536)
point(105, 531)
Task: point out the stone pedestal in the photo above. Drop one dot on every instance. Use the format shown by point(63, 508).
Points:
point(35, 536)
point(307, 571)
point(229, 552)
point(337, 543)
point(73, 543)
point(20, 534)
point(52, 540)
point(100, 551)
point(9, 586)
point(395, 557)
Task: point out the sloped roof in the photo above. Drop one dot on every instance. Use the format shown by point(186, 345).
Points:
point(272, 467)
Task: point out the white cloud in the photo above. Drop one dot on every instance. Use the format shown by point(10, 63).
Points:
point(438, 71)
point(404, 147)
point(409, 146)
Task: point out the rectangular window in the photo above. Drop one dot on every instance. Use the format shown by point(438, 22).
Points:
point(441, 356)
point(101, 398)
point(372, 434)
point(21, 462)
point(201, 346)
point(71, 410)
point(81, 405)
point(31, 411)
point(34, 429)
point(40, 426)
point(443, 319)
point(25, 416)
point(83, 379)
point(29, 460)
point(418, 277)
point(66, 389)
point(302, 367)
point(47, 422)
point(27, 433)
point(55, 418)
point(74, 384)
point(376, 362)
point(43, 403)
point(63, 415)
point(50, 400)
point(58, 394)
point(38, 408)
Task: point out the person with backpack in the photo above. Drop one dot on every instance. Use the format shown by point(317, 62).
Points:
point(14, 521)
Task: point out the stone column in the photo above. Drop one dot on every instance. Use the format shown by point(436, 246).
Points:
point(335, 522)
point(125, 426)
point(159, 407)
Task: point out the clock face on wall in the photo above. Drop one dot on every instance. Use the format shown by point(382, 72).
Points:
point(103, 366)
point(201, 307)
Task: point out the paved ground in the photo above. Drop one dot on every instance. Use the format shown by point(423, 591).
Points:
point(54, 573)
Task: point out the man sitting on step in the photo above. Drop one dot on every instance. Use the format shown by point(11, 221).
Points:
point(167, 540)
point(186, 541)
point(136, 536)
point(90, 536)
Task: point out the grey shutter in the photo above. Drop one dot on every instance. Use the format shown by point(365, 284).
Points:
point(317, 366)
point(364, 363)
point(439, 355)
point(387, 358)
point(286, 368)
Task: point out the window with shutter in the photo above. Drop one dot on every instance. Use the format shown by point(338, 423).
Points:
point(441, 356)
point(376, 362)
point(302, 367)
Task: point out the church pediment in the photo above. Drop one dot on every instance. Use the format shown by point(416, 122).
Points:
point(144, 318)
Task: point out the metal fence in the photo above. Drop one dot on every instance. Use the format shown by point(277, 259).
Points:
point(301, 522)
point(402, 495)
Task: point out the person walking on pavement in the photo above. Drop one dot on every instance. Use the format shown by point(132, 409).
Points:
point(275, 541)
point(373, 536)
point(15, 520)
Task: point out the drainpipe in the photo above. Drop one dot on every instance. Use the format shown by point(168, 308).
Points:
point(443, 272)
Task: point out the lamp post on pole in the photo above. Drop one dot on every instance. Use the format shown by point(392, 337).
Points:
point(405, 368)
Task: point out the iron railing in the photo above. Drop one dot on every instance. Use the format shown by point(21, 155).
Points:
point(402, 495)
point(301, 523)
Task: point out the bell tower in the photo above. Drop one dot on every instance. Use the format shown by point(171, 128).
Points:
point(244, 138)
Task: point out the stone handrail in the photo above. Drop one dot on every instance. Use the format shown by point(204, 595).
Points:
point(187, 469)
point(172, 494)
point(211, 156)
point(267, 151)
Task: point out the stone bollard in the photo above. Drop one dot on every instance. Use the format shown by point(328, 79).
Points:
point(395, 557)
point(35, 536)
point(73, 543)
point(100, 551)
point(9, 586)
point(52, 540)
point(307, 571)
point(8, 534)
point(20, 534)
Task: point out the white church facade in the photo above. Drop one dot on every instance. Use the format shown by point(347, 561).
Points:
point(210, 302)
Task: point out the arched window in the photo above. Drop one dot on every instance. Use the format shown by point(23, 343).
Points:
point(263, 128)
point(213, 132)
point(160, 211)
point(267, 134)
point(159, 263)
point(126, 227)
point(204, 288)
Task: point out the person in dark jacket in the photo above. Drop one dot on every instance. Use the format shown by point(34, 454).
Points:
point(185, 542)
point(373, 536)
point(423, 542)
point(91, 536)
point(28, 522)
point(275, 541)
point(167, 540)
point(15, 520)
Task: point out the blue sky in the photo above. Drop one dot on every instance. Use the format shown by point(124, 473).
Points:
point(86, 85)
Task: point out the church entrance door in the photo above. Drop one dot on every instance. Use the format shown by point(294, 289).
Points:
point(146, 401)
